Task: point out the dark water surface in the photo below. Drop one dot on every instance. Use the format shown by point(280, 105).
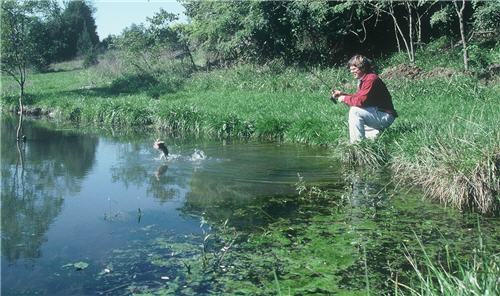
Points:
point(95, 213)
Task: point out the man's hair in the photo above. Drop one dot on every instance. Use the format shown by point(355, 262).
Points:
point(362, 62)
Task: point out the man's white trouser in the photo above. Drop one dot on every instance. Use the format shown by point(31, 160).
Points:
point(367, 122)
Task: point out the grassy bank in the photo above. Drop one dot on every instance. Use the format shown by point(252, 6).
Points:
point(445, 140)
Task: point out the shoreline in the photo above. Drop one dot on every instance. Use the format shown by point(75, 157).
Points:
point(442, 142)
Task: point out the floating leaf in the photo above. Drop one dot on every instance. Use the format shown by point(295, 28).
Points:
point(80, 265)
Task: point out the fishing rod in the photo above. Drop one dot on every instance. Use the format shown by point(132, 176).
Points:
point(323, 82)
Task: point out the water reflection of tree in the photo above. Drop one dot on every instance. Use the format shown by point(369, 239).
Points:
point(36, 177)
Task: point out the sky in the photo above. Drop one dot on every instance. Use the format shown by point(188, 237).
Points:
point(112, 16)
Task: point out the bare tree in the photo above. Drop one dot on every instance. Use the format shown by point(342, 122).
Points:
point(388, 7)
point(413, 16)
point(459, 9)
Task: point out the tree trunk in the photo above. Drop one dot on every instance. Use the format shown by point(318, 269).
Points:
point(419, 30)
point(21, 113)
point(410, 32)
point(397, 38)
point(186, 48)
point(394, 19)
point(460, 13)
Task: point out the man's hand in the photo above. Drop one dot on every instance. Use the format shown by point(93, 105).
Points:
point(336, 93)
point(332, 97)
point(337, 96)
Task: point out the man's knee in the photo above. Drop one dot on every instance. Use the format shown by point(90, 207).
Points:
point(355, 115)
point(355, 111)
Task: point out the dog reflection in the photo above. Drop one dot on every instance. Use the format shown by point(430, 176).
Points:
point(161, 171)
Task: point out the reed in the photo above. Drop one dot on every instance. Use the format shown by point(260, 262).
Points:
point(454, 276)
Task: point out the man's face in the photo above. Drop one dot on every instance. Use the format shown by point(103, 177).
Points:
point(358, 74)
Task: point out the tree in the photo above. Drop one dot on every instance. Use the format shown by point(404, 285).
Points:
point(76, 20)
point(135, 47)
point(19, 21)
point(86, 48)
point(487, 18)
point(169, 36)
point(107, 43)
point(294, 32)
point(394, 10)
point(459, 9)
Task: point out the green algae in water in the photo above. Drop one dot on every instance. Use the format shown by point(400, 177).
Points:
point(327, 244)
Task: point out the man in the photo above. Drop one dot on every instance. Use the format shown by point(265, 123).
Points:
point(371, 108)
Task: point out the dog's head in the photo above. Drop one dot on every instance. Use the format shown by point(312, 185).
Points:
point(158, 144)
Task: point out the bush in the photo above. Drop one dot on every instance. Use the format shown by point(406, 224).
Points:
point(90, 58)
point(132, 83)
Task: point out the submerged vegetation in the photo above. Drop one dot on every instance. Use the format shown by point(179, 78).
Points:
point(323, 242)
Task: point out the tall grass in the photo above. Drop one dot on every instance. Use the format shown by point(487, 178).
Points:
point(447, 143)
point(454, 277)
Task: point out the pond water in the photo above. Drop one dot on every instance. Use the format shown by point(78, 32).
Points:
point(95, 212)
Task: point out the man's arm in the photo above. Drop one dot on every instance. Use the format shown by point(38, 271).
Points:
point(360, 96)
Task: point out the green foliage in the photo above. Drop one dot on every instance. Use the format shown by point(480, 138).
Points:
point(315, 32)
point(86, 48)
point(160, 29)
point(21, 38)
point(143, 45)
point(90, 58)
point(77, 30)
point(442, 17)
point(487, 17)
point(133, 83)
point(154, 56)
point(294, 31)
point(49, 34)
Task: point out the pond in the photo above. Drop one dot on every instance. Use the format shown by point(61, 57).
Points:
point(99, 212)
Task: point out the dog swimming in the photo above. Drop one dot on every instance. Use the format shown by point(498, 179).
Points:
point(160, 145)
